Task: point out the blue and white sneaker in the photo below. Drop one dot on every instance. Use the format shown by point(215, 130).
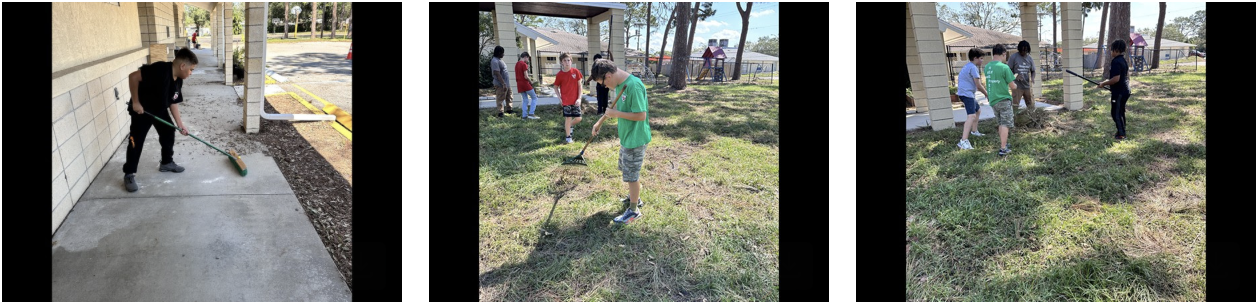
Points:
point(630, 215)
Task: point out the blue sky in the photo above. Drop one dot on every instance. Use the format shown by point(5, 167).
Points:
point(1143, 14)
point(726, 24)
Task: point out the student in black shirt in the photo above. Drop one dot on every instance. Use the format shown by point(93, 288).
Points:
point(1119, 91)
point(155, 88)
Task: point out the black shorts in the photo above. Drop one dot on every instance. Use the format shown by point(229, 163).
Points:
point(572, 111)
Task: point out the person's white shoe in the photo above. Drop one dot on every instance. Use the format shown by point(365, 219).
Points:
point(976, 133)
point(964, 145)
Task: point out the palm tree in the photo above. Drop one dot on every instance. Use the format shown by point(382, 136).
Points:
point(314, 6)
point(738, 61)
point(681, 51)
point(1157, 39)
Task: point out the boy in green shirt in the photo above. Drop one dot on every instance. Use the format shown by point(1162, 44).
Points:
point(999, 82)
point(632, 126)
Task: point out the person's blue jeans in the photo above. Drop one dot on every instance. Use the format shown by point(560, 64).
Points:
point(529, 106)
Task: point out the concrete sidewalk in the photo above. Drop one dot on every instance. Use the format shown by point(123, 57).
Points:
point(915, 121)
point(206, 234)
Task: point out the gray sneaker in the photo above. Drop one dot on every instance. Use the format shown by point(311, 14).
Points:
point(129, 180)
point(171, 167)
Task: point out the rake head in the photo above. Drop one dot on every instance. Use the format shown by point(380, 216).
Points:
point(576, 161)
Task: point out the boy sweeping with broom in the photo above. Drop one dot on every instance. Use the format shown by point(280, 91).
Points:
point(631, 121)
point(154, 88)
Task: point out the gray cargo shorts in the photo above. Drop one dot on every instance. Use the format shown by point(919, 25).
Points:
point(631, 162)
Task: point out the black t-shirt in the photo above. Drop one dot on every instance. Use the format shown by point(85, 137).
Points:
point(1119, 68)
point(157, 90)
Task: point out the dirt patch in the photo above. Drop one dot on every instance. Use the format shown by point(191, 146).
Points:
point(308, 154)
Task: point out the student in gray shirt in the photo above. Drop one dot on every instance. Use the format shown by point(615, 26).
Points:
point(1023, 66)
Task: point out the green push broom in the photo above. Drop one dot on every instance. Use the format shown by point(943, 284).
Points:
point(231, 154)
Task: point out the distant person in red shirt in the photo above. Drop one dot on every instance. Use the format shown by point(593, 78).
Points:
point(568, 86)
point(525, 85)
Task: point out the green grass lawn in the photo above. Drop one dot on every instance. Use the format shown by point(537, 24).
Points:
point(1071, 215)
point(710, 187)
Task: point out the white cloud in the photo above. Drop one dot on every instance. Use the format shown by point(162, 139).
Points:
point(732, 35)
point(706, 25)
point(761, 13)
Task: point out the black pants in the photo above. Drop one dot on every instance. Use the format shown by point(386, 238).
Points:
point(1118, 111)
point(140, 124)
point(602, 104)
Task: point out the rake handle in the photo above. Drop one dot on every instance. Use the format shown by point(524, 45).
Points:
point(600, 120)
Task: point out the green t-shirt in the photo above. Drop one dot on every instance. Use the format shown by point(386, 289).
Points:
point(998, 78)
point(633, 134)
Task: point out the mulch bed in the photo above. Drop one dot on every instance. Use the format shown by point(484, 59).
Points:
point(310, 166)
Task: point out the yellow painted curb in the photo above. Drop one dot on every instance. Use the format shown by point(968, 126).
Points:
point(347, 133)
point(342, 117)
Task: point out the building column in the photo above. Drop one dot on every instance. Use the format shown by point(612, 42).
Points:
point(255, 55)
point(537, 71)
point(617, 36)
point(181, 31)
point(927, 63)
point(1072, 47)
point(1030, 32)
point(504, 28)
point(224, 27)
point(592, 33)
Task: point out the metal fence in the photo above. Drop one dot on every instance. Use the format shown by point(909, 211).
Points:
point(751, 71)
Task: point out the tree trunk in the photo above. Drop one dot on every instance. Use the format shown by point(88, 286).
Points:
point(314, 7)
point(681, 52)
point(349, 22)
point(1118, 29)
point(334, 21)
point(286, 20)
point(1053, 11)
point(738, 61)
point(647, 50)
point(1157, 39)
point(660, 63)
point(1100, 37)
point(694, 19)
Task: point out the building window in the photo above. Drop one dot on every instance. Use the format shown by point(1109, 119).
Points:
point(550, 58)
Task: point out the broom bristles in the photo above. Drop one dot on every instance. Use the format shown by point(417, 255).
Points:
point(238, 163)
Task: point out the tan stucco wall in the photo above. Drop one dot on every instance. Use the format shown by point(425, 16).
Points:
point(112, 29)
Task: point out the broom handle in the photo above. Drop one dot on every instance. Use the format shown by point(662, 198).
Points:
point(600, 119)
point(193, 136)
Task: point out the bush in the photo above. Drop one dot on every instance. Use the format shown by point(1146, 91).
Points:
point(952, 90)
point(486, 76)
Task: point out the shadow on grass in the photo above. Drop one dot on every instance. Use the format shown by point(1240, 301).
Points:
point(1104, 273)
point(582, 262)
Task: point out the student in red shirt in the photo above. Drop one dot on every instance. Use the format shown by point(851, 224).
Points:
point(568, 86)
point(525, 85)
